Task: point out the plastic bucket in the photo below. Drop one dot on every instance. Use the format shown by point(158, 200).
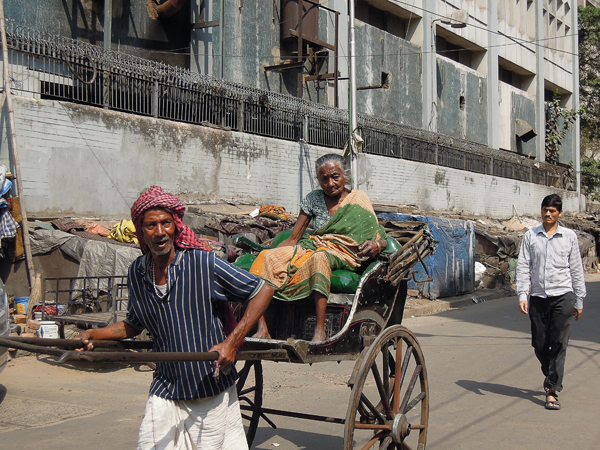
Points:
point(21, 304)
point(48, 330)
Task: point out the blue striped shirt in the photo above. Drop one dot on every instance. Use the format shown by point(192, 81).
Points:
point(184, 320)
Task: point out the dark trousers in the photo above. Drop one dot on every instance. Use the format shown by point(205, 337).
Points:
point(551, 320)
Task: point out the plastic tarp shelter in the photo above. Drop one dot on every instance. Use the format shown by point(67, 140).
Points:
point(452, 266)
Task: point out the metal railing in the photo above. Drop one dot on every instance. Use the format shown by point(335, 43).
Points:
point(81, 294)
point(55, 67)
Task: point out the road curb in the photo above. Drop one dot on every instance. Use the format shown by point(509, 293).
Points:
point(425, 307)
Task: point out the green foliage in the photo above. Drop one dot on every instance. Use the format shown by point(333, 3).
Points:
point(590, 177)
point(589, 71)
point(558, 122)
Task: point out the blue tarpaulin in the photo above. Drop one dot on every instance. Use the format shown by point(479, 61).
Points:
point(452, 267)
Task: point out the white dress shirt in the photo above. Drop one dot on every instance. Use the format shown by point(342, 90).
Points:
point(550, 266)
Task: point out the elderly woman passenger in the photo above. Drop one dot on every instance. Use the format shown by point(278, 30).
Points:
point(346, 235)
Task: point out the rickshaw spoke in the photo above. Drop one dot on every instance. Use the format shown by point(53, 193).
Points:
point(397, 379)
point(372, 408)
point(410, 389)
point(247, 400)
point(385, 402)
point(405, 363)
point(416, 400)
point(386, 369)
point(246, 391)
point(362, 410)
point(405, 446)
point(386, 443)
point(372, 442)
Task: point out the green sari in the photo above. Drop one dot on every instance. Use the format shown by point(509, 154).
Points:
point(296, 271)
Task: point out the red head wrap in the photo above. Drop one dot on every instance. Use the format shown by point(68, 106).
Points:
point(155, 197)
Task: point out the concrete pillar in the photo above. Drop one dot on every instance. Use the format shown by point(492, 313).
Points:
point(575, 97)
point(429, 69)
point(540, 105)
point(493, 112)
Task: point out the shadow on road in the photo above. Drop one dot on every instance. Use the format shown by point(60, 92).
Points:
point(481, 388)
point(301, 439)
point(99, 367)
point(493, 314)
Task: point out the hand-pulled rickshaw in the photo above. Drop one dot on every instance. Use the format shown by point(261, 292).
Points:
point(389, 401)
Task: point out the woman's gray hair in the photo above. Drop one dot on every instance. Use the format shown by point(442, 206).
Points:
point(333, 158)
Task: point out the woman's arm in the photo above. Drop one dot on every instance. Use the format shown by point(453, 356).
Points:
point(372, 248)
point(298, 230)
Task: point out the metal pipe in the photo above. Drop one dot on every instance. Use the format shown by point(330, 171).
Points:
point(352, 94)
point(45, 346)
point(297, 415)
point(222, 36)
point(145, 357)
point(335, 60)
point(75, 343)
point(137, 356)
point(107, 24)
point(4, 342)
point(15, 152)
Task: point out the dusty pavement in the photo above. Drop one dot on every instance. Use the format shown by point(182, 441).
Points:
point(485, 389)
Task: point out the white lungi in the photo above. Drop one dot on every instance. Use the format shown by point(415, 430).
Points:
point(212, 423)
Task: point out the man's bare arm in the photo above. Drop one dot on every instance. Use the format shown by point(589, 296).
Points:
point(115, 332)
point(255, 309)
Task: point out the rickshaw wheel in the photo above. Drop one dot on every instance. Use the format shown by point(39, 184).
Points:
point(388, 411)
point(250, 394)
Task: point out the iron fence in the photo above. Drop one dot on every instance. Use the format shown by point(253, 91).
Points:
point(383, 143)
point(55, 67)
point(417, 150)
point(327, 132)
point(450, 157)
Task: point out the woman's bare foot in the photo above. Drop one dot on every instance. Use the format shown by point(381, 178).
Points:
point(263, 330)
point(320, 335)
point(262, 334)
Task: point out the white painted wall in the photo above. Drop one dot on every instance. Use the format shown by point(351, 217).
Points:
point(84, 161)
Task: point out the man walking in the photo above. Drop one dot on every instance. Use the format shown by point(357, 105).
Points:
point(176, 291)
point(550, 271)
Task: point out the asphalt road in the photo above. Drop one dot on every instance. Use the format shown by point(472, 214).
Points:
point(485, 391)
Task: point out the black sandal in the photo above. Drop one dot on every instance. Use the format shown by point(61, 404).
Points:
point(552, 404)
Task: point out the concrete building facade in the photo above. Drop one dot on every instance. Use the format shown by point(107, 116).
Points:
point(476, 73)
point(467, 69)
